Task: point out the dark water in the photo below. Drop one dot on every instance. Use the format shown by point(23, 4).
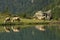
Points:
point(31, 33)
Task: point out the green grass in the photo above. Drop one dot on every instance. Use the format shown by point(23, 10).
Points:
point(25, 21)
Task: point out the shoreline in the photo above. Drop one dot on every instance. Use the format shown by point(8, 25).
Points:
point(31, 23)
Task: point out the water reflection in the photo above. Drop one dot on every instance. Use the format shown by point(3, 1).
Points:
point(13, 28)
point(7, 29)
point(31, 32)
point(40, 27)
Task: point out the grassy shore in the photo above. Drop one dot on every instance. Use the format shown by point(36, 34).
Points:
point(27, 22)
point(30, 22)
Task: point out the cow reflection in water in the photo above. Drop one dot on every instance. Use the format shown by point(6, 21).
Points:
point(7, 29)
point(15, 29)
point(11, 28)
point(40, 27)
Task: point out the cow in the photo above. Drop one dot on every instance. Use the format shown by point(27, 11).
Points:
point(15, 19)
point(7, 19)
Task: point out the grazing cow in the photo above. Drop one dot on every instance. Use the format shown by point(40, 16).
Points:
point(15, 29)
point(15, 19)
point(7, 19)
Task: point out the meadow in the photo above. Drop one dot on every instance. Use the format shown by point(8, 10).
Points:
point(26, 21)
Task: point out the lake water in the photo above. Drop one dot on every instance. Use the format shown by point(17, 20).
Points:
point(30, 32)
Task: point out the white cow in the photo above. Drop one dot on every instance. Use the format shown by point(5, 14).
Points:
point(7, 19)
point(15, 19)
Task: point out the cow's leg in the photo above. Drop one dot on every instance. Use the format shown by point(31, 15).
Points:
point(12, 21)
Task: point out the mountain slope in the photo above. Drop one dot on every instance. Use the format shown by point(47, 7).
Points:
point(29, 7)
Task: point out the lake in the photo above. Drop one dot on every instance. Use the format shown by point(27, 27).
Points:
point(30, 32)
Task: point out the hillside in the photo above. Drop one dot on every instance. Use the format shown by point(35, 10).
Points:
point(29, 7)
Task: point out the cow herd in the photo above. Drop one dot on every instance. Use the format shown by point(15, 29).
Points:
point(13, 19)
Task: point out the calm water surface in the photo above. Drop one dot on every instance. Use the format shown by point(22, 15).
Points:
point(32, 33)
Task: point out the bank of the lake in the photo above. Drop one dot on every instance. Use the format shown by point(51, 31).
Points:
point(31, 22)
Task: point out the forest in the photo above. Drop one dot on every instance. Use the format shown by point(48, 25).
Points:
point(29, 7)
